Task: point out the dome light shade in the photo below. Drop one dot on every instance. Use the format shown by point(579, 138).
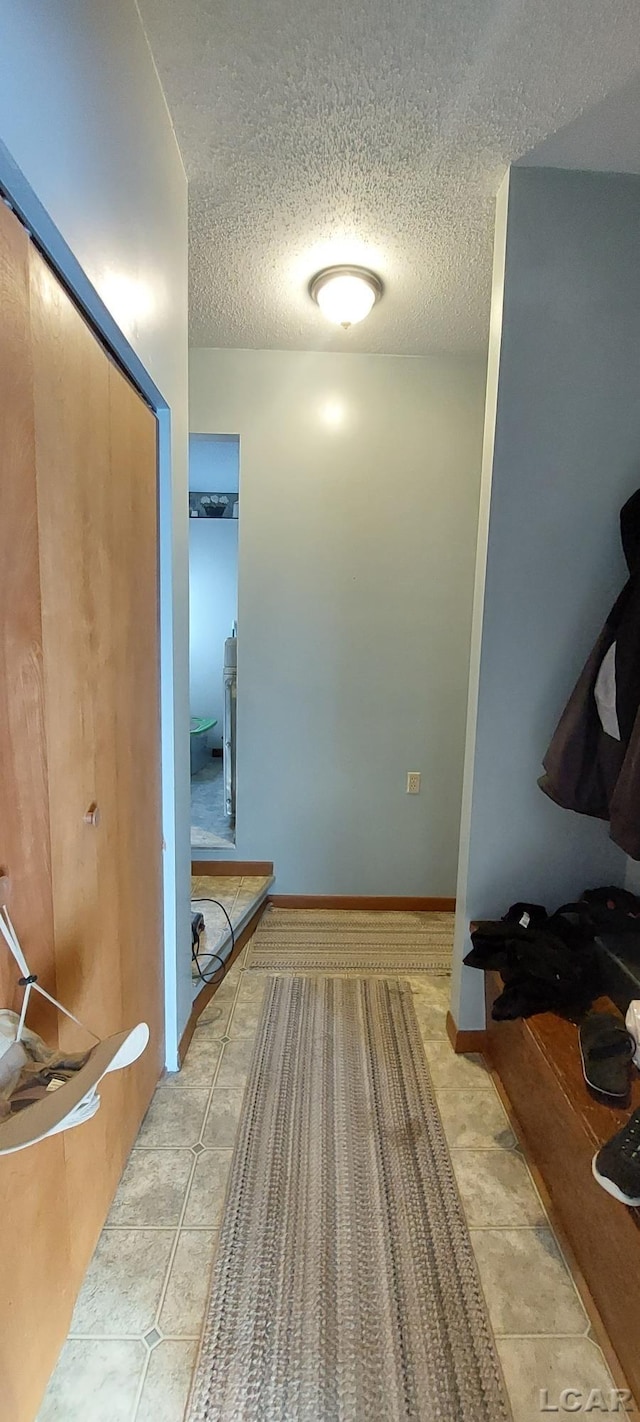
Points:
point(346, 295)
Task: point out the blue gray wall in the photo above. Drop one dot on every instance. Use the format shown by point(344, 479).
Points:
point(359, 482)
point(562, 453)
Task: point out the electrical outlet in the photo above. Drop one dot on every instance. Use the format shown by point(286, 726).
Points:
point(413, 782)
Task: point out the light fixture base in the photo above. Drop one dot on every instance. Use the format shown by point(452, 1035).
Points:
point(329, 274)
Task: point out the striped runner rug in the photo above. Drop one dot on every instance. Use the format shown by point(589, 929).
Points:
point(345, 1287)
point(351, 941)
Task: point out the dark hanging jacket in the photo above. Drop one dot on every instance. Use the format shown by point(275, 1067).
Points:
point(593, 762)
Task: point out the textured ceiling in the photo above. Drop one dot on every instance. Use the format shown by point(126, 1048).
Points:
point(606, 138)
point(366, 130)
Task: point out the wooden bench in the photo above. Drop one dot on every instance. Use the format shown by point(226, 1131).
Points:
point(561, 1125)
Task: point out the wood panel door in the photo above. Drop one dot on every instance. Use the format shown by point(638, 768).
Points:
point(133, 564)
point(79, 769)
point(34, 1227)
point(24, 801)
point(96, 474)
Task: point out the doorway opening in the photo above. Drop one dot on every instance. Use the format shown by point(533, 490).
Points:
point(214, 469)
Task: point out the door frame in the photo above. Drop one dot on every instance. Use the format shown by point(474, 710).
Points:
point(20, 196)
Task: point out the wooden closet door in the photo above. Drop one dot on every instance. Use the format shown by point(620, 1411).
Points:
point(72, 428)
point(133, 561)
point(38, 1288)
point(79, 732)
point(96, 481)
point(24, 800)
point(71, 404)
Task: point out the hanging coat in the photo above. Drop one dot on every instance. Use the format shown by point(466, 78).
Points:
point(593, 763)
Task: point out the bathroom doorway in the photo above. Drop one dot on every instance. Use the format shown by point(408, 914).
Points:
point(214, 468)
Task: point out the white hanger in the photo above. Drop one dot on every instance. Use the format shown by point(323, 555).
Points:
point(76, 1100)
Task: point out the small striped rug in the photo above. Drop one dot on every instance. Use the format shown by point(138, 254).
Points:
point(348, 941)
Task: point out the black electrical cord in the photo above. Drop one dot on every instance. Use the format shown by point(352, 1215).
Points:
point(195, 954)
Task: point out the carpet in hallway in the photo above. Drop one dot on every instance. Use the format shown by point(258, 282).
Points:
point(352, 941)
point(345, 1287)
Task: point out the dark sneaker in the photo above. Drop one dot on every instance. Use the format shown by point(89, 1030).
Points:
point(606, 1048)
point(617, 1165)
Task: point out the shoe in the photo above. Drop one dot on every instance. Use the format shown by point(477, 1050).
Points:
point(606, 1048)
point(616, 1167)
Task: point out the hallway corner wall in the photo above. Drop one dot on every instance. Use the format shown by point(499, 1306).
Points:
point(562, 458)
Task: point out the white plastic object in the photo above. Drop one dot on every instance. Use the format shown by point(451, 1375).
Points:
point(632, 1024)
point(77, 1099)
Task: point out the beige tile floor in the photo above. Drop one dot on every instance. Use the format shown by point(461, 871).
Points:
point(135, 1330)
point(240, 895)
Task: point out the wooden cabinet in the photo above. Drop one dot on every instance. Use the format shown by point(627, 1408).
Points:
point(80, 828)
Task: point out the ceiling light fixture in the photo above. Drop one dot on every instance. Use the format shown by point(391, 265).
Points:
point(345, 295)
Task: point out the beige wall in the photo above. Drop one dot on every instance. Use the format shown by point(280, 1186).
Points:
point(359, 483)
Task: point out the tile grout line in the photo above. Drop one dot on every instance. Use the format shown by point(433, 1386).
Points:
point(567, 1336)
point(152, 1229)
point(141, 1382)
point(171, 1150)
point(133, 1338)
point(507, 1150)
point(165, 1285)
point(500, 1229)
